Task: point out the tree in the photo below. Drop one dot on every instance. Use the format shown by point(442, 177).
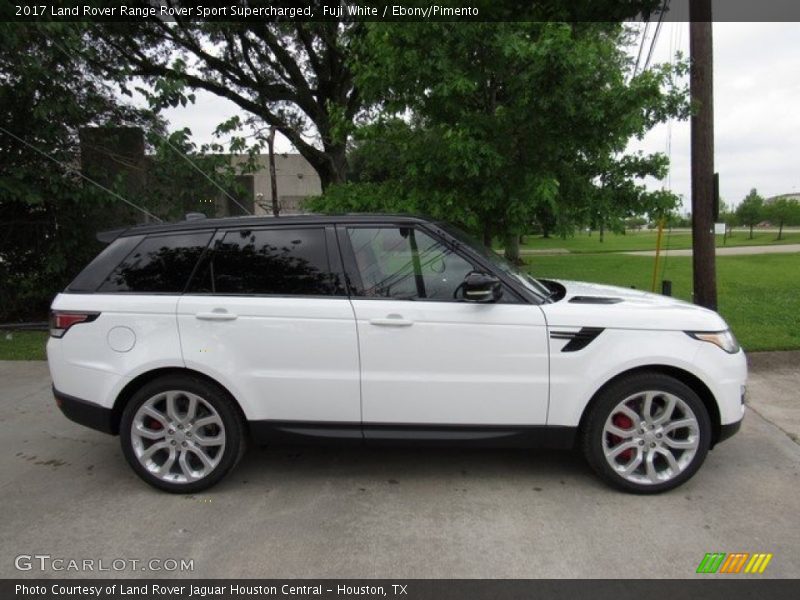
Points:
point(293, 77)
point(615, 196)
point(751, 210)
point(729, 217)
point(783, 211)
point(48, 215)
point(503, 119)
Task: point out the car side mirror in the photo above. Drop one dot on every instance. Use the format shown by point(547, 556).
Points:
point(482, 287)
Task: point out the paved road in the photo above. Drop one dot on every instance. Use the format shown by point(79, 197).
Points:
point(732, 251)
point(314, 512)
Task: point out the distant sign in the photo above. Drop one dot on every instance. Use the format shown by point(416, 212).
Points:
point(719, 228)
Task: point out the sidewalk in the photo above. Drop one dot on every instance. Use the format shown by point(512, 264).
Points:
point(733, 251)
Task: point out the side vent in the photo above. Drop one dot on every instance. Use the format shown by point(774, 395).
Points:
point(578, 340)
point(594, 300)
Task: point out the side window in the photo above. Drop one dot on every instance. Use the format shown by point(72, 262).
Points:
point(97, 271)
point(290, 262)
point(159, 264)
point(406, 264)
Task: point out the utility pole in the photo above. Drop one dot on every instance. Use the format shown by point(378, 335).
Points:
point(702, 93)
point(272, 176)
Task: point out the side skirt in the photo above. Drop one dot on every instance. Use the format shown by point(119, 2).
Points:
point(487, 436)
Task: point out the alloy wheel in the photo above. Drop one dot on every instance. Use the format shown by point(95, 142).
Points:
point(178, 437)
point(650, 437)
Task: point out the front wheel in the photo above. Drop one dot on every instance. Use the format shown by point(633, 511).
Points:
point(181, 434)
point(647, 433)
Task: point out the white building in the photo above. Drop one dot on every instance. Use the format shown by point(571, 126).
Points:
point(296, 181)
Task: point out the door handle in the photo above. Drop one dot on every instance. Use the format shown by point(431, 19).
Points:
point(392, 321)
point(216, 315)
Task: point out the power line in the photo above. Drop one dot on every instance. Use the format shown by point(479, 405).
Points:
point(77, 172)
point(641, 47)
point(655, 35)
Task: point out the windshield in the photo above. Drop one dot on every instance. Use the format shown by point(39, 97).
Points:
point(498, 261)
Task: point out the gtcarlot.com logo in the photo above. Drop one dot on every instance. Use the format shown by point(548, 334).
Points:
point(734, 563)
point(46, 562)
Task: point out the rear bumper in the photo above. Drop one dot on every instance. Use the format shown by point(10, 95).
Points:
point(729, 430)
point(85, 413)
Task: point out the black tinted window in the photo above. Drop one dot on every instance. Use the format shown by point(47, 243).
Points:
point(97, 271)
point(158, 264)
point(291, 262)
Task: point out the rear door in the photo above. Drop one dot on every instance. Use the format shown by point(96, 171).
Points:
point(267, 315)
point(427, 357)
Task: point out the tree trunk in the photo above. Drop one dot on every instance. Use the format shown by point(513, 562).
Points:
point(751, 231)
point(780, 231)
point(511, 245)
point(602, 231)
point(487, 235)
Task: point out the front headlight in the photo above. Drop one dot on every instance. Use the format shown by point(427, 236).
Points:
point(723, 339)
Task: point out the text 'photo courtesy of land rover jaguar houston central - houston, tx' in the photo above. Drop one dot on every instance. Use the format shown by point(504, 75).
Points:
point(191, 339)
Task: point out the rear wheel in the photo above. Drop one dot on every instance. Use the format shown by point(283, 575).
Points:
point(181, 434)
point(647, 433)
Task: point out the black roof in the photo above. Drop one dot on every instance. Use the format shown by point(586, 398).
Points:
point(257, 221)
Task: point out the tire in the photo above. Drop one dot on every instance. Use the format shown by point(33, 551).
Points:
point(187, 422)
point(678, 424)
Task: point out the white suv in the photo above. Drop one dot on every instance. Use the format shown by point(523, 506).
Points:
point(189, 339)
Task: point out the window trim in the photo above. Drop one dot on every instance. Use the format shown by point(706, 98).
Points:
point(335, 267)
point(353, 276)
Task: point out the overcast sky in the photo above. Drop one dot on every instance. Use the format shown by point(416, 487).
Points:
point(757, 111)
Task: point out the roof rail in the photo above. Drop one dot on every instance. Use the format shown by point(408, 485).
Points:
point(194, 216)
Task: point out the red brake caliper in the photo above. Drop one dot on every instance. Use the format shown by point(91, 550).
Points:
point(154, 424)
point(623, 422)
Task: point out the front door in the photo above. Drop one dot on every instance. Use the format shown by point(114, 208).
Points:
point(427, 357)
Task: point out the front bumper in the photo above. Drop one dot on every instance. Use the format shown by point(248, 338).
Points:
point(85, 413)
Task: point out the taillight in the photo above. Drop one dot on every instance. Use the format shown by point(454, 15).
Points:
point(61, 321)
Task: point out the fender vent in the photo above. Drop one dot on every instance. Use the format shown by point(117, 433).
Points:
point(578, 340)
point(594, 300)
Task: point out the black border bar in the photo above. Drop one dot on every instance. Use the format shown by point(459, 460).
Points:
point(711, 588)
point(391, 10)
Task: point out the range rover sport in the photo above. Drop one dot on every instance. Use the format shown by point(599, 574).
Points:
point(190, 339)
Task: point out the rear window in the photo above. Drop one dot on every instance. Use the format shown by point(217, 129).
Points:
point(159, 264)
point(286, 262)
point(98, 270)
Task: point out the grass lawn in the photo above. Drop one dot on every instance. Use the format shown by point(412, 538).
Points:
point(759, 295)
point(22, 345)
point(646, 240)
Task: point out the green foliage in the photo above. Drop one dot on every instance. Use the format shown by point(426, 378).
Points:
point(783, 211)
point(500, 125)
point(751, 210)
point(48, 216)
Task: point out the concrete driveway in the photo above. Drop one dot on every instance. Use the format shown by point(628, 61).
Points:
point(66, 492)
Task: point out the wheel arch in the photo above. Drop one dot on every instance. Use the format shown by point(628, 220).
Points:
point(690, 379)
point(127, 392)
